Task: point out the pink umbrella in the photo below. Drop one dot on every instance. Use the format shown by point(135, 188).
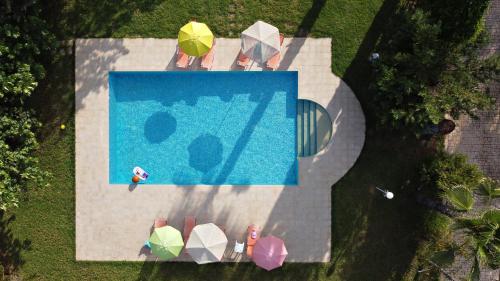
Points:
point(269, 252)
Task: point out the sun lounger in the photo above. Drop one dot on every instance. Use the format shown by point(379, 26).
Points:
point(242, 60)
point(208, 59)
point(189, 224)
point(182, 59)
point(252, 240)
point(274, 61)
point(160, 222)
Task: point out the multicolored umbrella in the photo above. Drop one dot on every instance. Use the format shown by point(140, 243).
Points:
point(166, 242)
point(195, 39)
point(269, 252)
point(207, 243)
point(260, 41)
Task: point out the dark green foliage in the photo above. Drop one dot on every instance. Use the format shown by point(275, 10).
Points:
point(455, 178)
point(484, 232)
point(489, 188)
point(421, 76)
point(461, 19)
point(437, 226)
point(445, 171)
point(24, 40)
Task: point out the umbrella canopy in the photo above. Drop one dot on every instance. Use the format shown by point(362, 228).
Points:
point(260, 41)
point(207, 243)
point(269, 252)
point(195, 39)
point(166, 242)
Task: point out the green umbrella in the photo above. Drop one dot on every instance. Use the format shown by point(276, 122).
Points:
point(166, 242)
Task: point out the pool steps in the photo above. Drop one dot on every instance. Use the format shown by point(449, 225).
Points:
point(314, 128)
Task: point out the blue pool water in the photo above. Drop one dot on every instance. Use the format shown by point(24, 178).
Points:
point(188, 128)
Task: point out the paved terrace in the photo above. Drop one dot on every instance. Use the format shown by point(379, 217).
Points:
point(113, 221)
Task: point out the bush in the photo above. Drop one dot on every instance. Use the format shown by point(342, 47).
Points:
point(461, 19)
point(437, 227)
point(446, 171)
point(24, 40)
point(421, 76)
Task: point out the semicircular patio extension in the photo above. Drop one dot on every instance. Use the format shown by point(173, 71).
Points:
point(121, 214)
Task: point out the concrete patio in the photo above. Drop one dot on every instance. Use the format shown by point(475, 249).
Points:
point(113, 221)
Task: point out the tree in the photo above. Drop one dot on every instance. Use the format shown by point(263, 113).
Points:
point(421, 75)
point(461, 19)
point(24, 40)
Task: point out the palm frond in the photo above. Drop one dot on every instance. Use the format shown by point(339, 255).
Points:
point(489, 188)
point(474, 273)
point(484, 232)
point(459, 197)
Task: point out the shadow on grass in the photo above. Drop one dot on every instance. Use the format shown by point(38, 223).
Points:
point(375, 239)
point(54, 97)
point(10, 248)
point(302, 31)
point(86, 18)
point(229, 272)
point(359, 72)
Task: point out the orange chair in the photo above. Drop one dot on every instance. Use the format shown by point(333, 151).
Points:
point(189, 224)
point(208, 58)
point(250, 240)
point(242, 60)
point(182, 58)
point(274, 61)
point(160, 222)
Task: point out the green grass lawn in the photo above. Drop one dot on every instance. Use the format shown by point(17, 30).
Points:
point(373, 239)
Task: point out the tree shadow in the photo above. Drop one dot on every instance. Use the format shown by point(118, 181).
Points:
point(91, 68)
point(359, 73)
point(310, 18)
point(11, 248)
point(302, 31)
point(377, 238)
point(85, 18)
point(53, 99)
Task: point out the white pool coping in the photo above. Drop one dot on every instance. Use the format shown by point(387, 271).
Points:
point(113, 221)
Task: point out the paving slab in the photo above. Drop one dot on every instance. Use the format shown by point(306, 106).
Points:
point(113, 221)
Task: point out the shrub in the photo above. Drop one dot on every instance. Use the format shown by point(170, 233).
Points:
point(421, 76)
point(437, 227)
point(489, 188)
point(461, 19)
point(445, 171)
point(24, 40)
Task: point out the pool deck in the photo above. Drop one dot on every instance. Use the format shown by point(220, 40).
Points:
point(113, 221)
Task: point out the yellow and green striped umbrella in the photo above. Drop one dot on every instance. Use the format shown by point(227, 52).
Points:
point(195, 39)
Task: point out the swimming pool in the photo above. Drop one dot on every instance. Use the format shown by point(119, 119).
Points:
point(214, 128)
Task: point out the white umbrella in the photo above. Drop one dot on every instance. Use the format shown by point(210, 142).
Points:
point(260, 41)
point(206, 243)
